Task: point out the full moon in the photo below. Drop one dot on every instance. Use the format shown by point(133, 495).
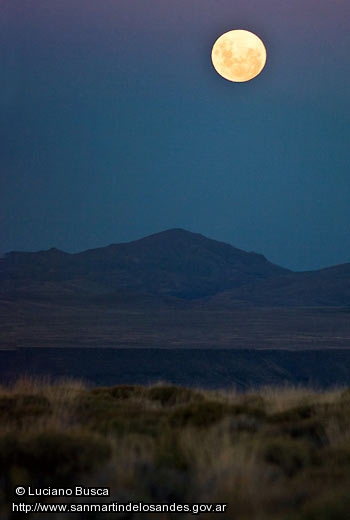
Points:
point(238, 55)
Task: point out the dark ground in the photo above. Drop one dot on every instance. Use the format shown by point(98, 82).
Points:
point(43, 325)
point(204, 368)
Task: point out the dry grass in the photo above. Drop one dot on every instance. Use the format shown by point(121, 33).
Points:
point(285, 397)
point(277, 453)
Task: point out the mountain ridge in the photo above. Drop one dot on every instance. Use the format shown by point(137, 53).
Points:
point(171, 265)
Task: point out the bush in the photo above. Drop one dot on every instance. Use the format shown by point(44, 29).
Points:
point(54, 454)
point(119, 392)
point(330, 507)
point(294, 414)
point(201, 414)
point(289, 455)
point(21, 406)
point(49, 458)
point(172, 395)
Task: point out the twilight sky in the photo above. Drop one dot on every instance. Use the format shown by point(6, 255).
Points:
point(114, 125)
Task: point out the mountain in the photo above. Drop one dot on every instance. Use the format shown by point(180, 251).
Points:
point(172, 264)
point(173, 289)
point(168, 267)
point(328, 287)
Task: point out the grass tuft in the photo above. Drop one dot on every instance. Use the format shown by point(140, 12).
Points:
point(277, 454)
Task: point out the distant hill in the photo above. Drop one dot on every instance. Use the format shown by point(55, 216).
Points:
point(171, 266)
point(323, 288)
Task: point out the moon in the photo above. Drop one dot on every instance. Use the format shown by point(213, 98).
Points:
point(238, 55)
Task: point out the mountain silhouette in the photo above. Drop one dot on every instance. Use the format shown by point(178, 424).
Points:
point(171, 266)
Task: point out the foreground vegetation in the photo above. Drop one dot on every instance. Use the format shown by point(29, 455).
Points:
point(278, 453)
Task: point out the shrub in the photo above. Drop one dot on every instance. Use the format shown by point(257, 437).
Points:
point(120, 392)
point(289, 455)
point(49, 458)
point(329, 507)
point(199, 414)
point(294, 414)
point(19, 407)
point(52, 456)
point(172, 395)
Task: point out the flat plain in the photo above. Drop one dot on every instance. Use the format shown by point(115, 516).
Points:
point(28, 324)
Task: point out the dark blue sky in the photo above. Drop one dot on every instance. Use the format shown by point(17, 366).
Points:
point(114, 125)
